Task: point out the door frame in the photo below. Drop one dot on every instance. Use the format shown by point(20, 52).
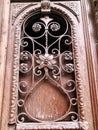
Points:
point(91, 54)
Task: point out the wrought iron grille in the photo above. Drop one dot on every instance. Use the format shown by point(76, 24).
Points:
point(46, 64)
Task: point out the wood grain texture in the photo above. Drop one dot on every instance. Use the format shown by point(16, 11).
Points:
point(1, 59)
point(91, 57)
point(91, 72)
point(47, 103)
point(4, 18)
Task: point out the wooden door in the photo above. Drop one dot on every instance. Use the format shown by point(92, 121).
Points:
point(48, 69)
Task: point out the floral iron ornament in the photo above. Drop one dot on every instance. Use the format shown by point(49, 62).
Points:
point(46, 61)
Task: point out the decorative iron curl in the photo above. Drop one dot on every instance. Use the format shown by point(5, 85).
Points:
point(66, 39)
point(38, 71)
point(74, 101)
point(73, 116)
point(55, 52)
point(37, 52)
point(20, 103)
point(23, 85)
point(56, 70)
point(70, 86)
point(21, 118)
point(24, 42)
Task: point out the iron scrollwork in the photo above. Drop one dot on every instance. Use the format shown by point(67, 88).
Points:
point(46, 54)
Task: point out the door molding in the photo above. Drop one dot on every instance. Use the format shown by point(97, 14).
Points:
point(4, 41)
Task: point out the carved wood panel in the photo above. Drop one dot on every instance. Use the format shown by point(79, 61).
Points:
point(46, 78)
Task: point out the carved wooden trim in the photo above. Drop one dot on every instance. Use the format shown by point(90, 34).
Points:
point(52, 126)
point(18, 8)
point(78, 77)
point(45, 6)
point(90, 63)
point(72, 6)
point(19, 18)
point(14, 93)
point(84, 125)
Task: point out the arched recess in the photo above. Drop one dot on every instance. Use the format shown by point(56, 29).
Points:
point(73, 20)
